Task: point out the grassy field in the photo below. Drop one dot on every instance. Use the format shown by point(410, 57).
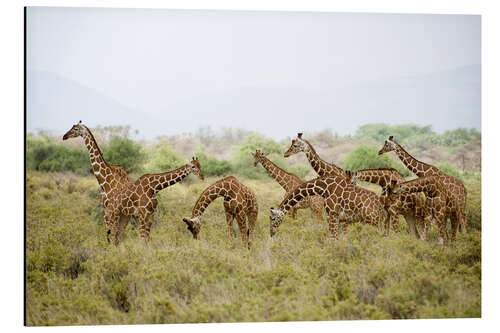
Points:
point(74, 277)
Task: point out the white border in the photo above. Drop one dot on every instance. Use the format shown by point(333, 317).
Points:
point(11, 99)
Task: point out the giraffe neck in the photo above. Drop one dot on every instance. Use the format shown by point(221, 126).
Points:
point(100, 167)
point(427, 185)
point(419, 168)
point(307, 189)
point(281, 176)
point(378, 176)
point(166, 179)
point(211, 193)
point(321, 167)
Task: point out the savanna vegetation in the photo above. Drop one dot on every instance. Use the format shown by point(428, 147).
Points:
point(74, 277)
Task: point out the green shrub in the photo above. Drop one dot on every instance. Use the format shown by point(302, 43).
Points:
point(242, 159)
point(367, 157)
point(210, 166)
point(163, 158)
point(124, 152)
point(43, 154)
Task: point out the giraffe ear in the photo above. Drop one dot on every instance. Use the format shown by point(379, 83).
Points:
point(299, 135)
point(79, 122)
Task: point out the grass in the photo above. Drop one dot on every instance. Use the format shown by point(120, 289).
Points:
point(74, 277)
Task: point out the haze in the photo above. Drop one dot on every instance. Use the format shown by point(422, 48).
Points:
point(167, 72)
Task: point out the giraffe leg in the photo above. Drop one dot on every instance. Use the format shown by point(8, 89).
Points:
point(229, 220)
point(454, 226)
point(333, 227)
point(241, 218)
point(143, 232)
point(149, 223)
point(252, 220)
point(293, 213)
point(316, 205)
point(443, 235)
point(122, 224)
point(411, 221)
point(113, 222)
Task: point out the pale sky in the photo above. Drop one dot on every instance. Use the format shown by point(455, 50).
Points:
point(167, 72)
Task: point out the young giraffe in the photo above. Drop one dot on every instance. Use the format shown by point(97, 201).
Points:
point(455, 189)
point(433, 188)
point(410, 205)
point(321, 167)
point(343, 202)
point(111, 177)
point(290, 181)
point(239, 203)
point(138, 200)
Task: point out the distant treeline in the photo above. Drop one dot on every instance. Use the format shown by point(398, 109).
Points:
point(46, 153)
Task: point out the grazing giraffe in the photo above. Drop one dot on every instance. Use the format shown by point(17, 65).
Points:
point(411, 206)
point(111, 177)
point(290, 181)
point(343, 202)
point(321, 167)
point(433, 188)
point(456, 191)
point(239, 203)
point(138, 200)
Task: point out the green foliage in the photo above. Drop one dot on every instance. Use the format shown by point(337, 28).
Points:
point(459, 136)
point(74, 277)
point(163, 158)
point(124, 152)
point(242, 159)
point(367, 157)
point(210, 166)
point(43, 154)
point(416, 136)
point(380, 132)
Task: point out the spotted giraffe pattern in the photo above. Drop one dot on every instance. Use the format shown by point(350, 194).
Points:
point(410, 205)
point(138, 200)
point(112, 178)
point(344, 202)
point(321, 167)
point(289, 182)
point(433, 188)
point(240, 203)
point(455, 189)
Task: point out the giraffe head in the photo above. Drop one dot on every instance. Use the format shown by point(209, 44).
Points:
point(297, 146)
point(395, 188)
point(258, 156)
point(193, 225)
point(195, 167)
point(350, 176)
point(75, 131)
point(275, 220)
point(389, 145)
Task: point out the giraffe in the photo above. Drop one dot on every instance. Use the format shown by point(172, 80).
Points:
point(239, 203)
point(343, 202)
point(456, 191)
point(111, 177)
point(290, 181)
point(138, 200)
point(435, 191)
point(321, 167)
point(410, 205)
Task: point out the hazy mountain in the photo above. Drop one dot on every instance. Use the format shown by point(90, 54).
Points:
point(55, 103)
point(446, 100)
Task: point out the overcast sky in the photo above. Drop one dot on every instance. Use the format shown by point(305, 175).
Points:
point(170, 71)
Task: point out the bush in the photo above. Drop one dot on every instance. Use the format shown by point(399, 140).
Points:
point(43, 154)
point(163, 158)
point(124, 152)
point(242, 159)
point(367, 157)
point(211, 166)
point(380, 132)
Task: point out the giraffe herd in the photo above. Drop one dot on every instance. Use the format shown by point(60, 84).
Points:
point(431, 198)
